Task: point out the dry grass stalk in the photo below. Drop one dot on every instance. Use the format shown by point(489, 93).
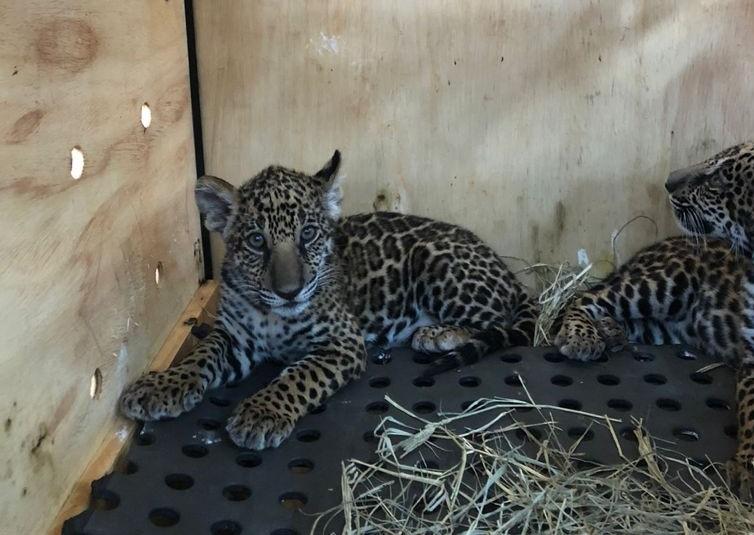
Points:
point(495, 487)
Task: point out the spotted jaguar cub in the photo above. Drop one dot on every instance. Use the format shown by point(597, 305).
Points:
point(697, 290)
point(303, 287)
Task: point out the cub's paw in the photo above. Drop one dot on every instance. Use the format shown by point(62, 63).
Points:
point(161, 395)
point(438, 338)
point(740, 475)
point(256, 425)
point(579, 339)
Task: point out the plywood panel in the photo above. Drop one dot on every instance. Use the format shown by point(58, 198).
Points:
point(78, 288)
point(543, 126)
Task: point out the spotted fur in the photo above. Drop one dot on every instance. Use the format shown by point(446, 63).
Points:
point(305, 288)
point(697, 290)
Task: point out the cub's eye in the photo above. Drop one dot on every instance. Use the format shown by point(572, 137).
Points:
point(257, 240)
point(308, 233)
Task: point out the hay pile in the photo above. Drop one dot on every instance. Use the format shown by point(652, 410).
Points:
point(496, 487)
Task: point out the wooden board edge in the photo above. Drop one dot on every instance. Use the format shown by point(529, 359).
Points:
point(176, 346)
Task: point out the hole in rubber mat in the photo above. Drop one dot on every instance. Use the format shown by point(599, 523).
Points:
point(655, 379)
point(301, 466)
point(209, 424)
point(514, 380)
point(608, 379)
point(144, 439)
point(572, 404)
point(561, 380)
point(236, 493)
point(319, 409)
point(701, 378)
point(225, 527)
point(423, 382)
point(581, 433)
point(628, 433)
point(179, 481)
point(370, 437)
point(470, 381)
point(382, 357)
point(554, 357)
point(104, 500)
point(248, 460)
point(718, 404)
point(643, 357)
point(293, 500)
point(424, 407)
point(164, 517)
point(511, 358)
point(308, 435)
point(685, 354)
point(528, 433)
point(731, 430)
point(686, 434)
point(668, 404)
point(586, 463)
point(428, 464)
point(126, 467)
point(284, 532)
point(219, 402)
point(622, 405)
point(422, 358)
point(195, 451)
point(377, 407)
point(379, 382)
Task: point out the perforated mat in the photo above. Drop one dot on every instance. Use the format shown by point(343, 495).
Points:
point(185, 476)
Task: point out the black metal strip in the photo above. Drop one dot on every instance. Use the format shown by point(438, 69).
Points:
point(196, 114)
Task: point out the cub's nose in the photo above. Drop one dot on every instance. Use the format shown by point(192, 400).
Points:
point(288, 292)
point(676, 181)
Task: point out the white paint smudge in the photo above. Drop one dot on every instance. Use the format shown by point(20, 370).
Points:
point(122, 434)
point(325, 44)
point(582, 257)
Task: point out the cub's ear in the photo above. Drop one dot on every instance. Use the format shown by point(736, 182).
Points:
point(216, 199)
point(328, 177)
point(328, 172)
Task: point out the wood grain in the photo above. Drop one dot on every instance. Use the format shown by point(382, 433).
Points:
point(78, 292)
point(542, 126)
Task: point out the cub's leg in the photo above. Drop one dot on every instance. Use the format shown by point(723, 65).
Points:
point(741, 467)
point(179, 389)
point(267, 418)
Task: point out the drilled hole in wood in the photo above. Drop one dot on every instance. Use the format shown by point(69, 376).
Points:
point(146, 115)
point(158, 273)
point(95, 384)
point(77, 163)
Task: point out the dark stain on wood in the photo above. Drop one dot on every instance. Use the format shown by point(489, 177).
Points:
point(67, 44)
point(24, 126)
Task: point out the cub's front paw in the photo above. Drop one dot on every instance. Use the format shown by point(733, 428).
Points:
point(579, 339)
point(256, 425)
point(161, 395)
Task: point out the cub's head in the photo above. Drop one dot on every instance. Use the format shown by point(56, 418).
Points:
point(278, 232)
point(716, 197)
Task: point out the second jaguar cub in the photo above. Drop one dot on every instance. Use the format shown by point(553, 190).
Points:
point(697, 290)
point(304, 287)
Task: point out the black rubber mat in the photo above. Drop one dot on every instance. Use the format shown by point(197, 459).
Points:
point(185, 477)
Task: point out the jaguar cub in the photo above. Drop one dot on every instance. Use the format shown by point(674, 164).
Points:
point(303, 287)
point(697, 290)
